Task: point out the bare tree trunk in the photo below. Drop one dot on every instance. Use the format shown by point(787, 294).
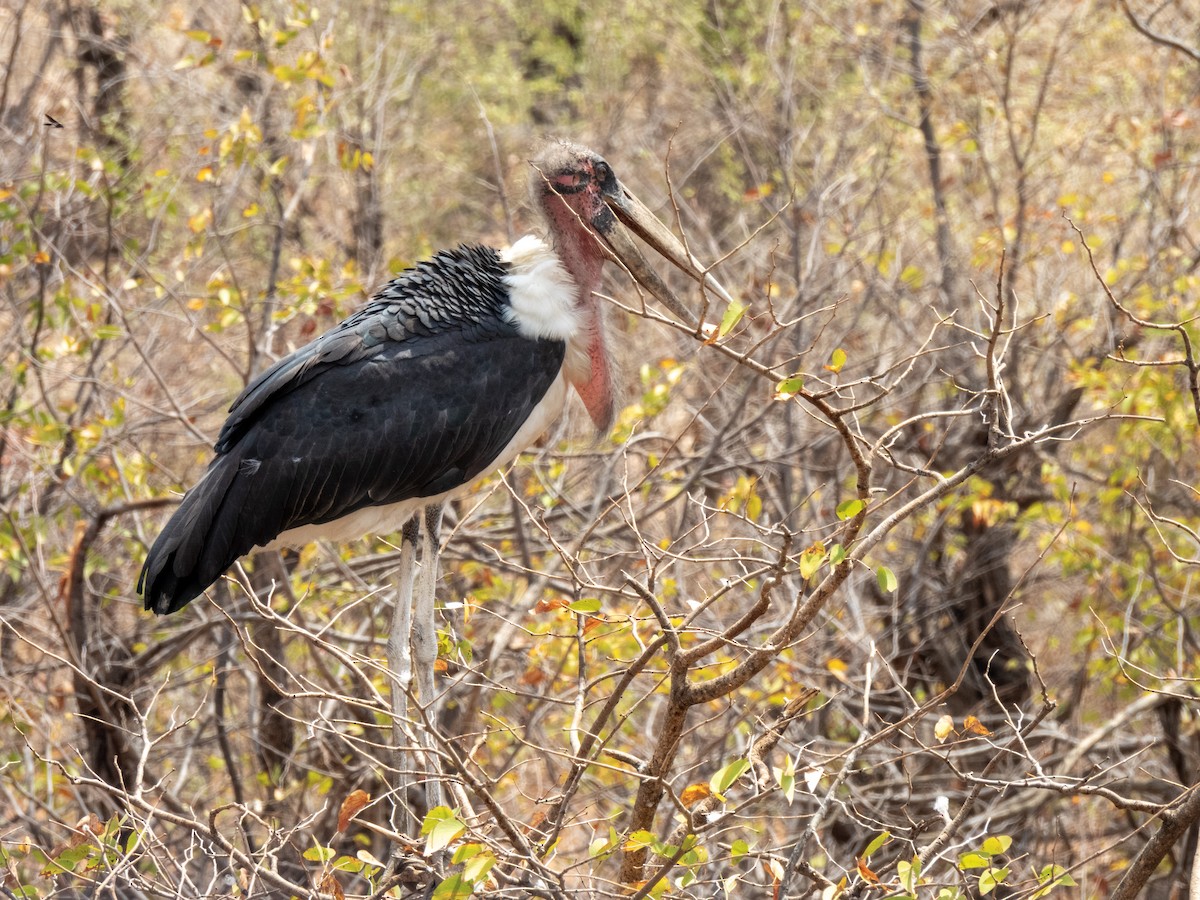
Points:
point(912, 22)
point(103, 51)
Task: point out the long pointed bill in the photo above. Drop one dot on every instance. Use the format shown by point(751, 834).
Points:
point(632, 212)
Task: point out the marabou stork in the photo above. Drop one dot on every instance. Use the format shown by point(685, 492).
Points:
point(451, 370)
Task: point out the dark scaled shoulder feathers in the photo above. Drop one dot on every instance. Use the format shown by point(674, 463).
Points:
point(413, 395)
point(461, 290)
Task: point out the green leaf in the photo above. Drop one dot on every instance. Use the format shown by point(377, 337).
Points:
point(319, 854)
point(789, 387)
point(663, 850)
point(992, 879)
point(586, 606)
point(878, 842)
point(464, 852)
point(71, 857)
point(1058, 873)
point(639, 840)
point(738, 849)
point(887, 580)
point(850, 509)
point(1050, 877)
point(974, 861)
point(836, 554)
point(733, 314)
point(454, 888)
point(599, 847)
point(440, 828)
point(476, 870)
point(909, 874)
point(724, 779)
point(786, 778)
point(836, 360)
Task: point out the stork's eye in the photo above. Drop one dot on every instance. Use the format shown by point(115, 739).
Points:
point(569, 182)
point(603, 172)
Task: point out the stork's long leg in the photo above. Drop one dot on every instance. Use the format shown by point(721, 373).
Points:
point(400, 663)
point(424, 642)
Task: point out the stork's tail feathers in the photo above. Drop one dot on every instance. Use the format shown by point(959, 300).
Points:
point(196, 545)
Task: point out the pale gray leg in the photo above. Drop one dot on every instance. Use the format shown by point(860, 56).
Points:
point(424, 644)
point(400, 669)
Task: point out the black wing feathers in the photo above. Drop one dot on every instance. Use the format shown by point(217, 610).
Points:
point(412, 396)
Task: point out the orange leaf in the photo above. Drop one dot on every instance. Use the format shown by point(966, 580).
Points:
point(440, 665)
point(350, 807)
point(593, 622)
point(41, 257)
point(545, 605)
point(758, 192)
point(866, 873)
point(694, 793)
point(973, 725)
point(330, 885)
point(532, 677)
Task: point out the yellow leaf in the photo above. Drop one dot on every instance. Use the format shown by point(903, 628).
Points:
point(836, 360)
point(758, 192)
point(41, 257)
point(200, 221)
point(810, 560)
point(944, 728)
point(205, 174)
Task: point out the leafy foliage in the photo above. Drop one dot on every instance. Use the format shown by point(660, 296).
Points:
point(901, 544)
